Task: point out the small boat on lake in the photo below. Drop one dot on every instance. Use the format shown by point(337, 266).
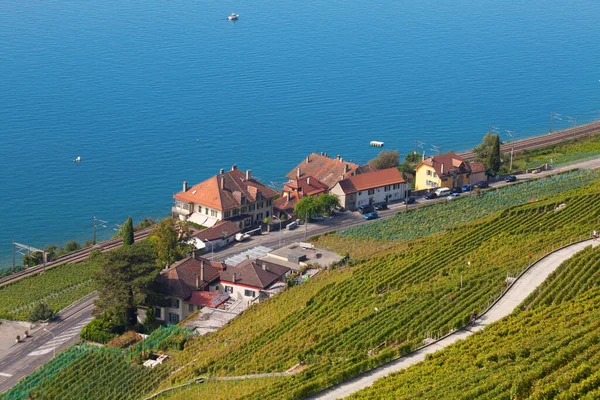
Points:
point(233, 17)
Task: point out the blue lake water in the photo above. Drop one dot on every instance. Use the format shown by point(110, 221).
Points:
point(150, 93)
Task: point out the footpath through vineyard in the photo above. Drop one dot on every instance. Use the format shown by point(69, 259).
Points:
point(514, 296)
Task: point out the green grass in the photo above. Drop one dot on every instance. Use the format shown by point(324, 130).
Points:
point(550, 348)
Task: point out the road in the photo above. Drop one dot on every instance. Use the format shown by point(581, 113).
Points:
point(23, 358)
point(517, 293)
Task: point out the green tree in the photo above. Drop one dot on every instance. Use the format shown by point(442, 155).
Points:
point(128, 232)
point(40, 312)
point(32, 259)
point(124, 279)
point(327, 203)
point(72, 246)
point(494, 157)
point(483, 149)
point(305, 209)
point(164, 238)
point(146, 223)
point(385, 159)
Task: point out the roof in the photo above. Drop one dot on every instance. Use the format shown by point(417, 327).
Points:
point(286, 205)
point(188, 275)
point(446, 164)
point(371, 180)
point(227, 191)
point(208, 299)
point(327, 170)
point(255, 273)
point(222, 229)
point(306, 186)
point(476, 167)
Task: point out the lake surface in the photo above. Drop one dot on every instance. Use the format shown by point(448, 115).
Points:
point(149, 93)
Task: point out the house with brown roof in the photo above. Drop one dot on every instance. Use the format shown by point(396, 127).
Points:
point(233, 195)
point(251, 279)
point(220, 234)
point(188, 286)
point(293, 191)
point(375, 187)
point(477, 172)
point(327, 170)
point(444, 170)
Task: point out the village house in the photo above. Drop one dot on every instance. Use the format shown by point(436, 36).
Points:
point(251, 280)
point(188, 286)
point(219, 235)
point(293, 191)
point(327, 170)
point(446, 170)
point(233, 195)
point(375, 187)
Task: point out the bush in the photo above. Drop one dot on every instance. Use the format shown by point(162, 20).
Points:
point(72, 246)
point(99, 330)
point(40, 312)
point(125, 340)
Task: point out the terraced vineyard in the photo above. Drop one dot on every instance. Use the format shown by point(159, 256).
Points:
point(549, 349)
point(91, 372)
point(440, 217)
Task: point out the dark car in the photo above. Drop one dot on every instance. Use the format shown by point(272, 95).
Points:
point(365, 209)
point(410, 200)
point(456, 190)
point(430, 196)
point(481, 185)
point(380, 207)
point(510, 178)
point(371, 215)
point(467, 188)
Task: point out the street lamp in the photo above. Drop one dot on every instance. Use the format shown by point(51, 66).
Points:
point(53, 338)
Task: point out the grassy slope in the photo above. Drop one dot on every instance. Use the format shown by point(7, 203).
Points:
point(550, 348)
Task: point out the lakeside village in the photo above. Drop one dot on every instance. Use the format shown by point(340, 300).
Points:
point(231, 204)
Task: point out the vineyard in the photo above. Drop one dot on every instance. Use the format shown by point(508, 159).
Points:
point(91, 372)
point(57, 287)
point(549, 349)
point(439, 217)
point(376, 309)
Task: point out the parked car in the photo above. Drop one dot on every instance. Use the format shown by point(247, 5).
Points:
point(409, 200)
point(453, 196)
point(510, 178)
point(371, 215)
point(456, 190)
point(430, 196)
point(364, 209)
point(317, 218)
point(292, 225)
point(441, 192)
point(467, 188)
point(380, 207)
point(481, 185)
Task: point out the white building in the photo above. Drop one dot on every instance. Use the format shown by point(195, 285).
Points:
point(376, 187)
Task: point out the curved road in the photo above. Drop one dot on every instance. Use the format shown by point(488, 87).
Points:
point(515, 295)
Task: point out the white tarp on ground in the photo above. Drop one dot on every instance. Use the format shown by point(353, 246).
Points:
point(203, 220)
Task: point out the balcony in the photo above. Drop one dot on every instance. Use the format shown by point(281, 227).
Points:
point(181, 211)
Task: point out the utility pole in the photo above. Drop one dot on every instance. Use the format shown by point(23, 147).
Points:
point(573, 121)
point(96, 223)
point(552, 116)
point(511, 134)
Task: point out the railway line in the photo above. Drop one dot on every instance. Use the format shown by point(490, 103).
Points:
point(75, 257)
point(542, 141)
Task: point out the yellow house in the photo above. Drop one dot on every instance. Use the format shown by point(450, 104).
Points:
point(447, 170)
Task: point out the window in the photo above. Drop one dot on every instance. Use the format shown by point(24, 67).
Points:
point(259, 217)
point(157, 313)
point(190, 307)
point(249, 293)
point(229, 289)
point(268, 202)
point(431, 183)
point(200, 209)
point(227, 214)
point(428, 172)
point(173, 318)
point(199, 308)
point(236, 212)
point(251, 207)
point(247, 222)
point(267, 214)
point(387, 188)
point(359, 193)
point(259, 205)
point(243, 210)
point(206, 210)
point(213, 213)
point(371, 191)
point(174, 303)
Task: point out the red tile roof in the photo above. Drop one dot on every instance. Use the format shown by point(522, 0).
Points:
point(477, 167)
point(306, 186)
point(255, 273)
point(226, 191)
point(327, 170)
point(371, 180)
point(222, 229)
point(446, 164)
point(207, 299)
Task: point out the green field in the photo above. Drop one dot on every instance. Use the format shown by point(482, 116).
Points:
point(549, 349)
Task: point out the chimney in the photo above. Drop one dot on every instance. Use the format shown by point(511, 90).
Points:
point(308, 180)
point(201, 271)
point(233, 167)
point(222, 171)
point(423, 158)
point(346, 168)
point(338, 157)
point(197, 282)
point(222, 183)
point(286, 195)
point(233, 277)
point(248, 174)
point(442, 168)
point(307, 159)
point(185, 186)
point(298, 173)
point(265, 267)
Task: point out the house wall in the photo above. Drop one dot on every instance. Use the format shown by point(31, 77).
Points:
point(344, 199)
point(237, 292)
point(186, 309)
point(480, 176)
point(382, 194)
point(165, 311)
point(427, 178)
point(252, 209)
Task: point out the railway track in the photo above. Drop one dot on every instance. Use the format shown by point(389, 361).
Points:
point(542, 141)
point(74, 257)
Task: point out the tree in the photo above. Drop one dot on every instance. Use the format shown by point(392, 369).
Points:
point(41, 312)
point(385, 159)
point(125, 277)
point(485, 147)
point(494, 157)
point(164, 239)
point(327, 203)
point(307, 208)
point(128, 232)
point(72, 246)
point(146, 223)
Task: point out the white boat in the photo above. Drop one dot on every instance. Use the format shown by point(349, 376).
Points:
point(233, 17)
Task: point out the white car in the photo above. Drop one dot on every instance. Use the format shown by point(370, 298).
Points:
point(453, 196)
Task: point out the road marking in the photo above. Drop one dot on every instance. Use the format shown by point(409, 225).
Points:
point(6, 375)
point(55, 342)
